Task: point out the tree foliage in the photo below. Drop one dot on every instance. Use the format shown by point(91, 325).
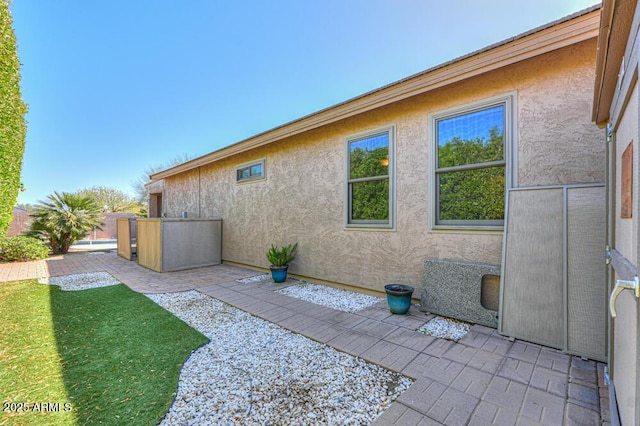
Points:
point(473, 194)
point(64, 219)
point(110, 199)
point(13, 125)
point(369, 199)
point(139, 183)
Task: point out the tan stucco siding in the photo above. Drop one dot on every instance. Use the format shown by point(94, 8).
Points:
point(181, 194)
point(155, 187)
point(302, 198)
point(556, 138)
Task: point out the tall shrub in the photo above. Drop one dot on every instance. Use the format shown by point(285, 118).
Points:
point(22, 248)
point(13, 126)
point(64, 219)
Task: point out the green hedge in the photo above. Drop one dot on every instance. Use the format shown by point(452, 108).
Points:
point(21, 249)
point(13, 127)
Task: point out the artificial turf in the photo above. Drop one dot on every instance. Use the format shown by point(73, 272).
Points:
point(99, 356)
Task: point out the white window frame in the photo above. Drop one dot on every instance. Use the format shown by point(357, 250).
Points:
point(261, 177)
point(510, 144)
point(389, 225)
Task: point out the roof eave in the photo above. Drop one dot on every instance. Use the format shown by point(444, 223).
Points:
point(615, 24)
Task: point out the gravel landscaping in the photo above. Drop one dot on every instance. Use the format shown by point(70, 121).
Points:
point(445, 328)
point(255, 372)
point(81, 281)
point(342, 300)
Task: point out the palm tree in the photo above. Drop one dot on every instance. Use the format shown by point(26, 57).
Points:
point(63, 219)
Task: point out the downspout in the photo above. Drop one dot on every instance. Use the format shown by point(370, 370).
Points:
point(199, 192)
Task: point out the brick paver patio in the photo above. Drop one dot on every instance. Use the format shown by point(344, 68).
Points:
point(483, 379)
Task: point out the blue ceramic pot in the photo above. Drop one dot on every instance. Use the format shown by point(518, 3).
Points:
point(279, 273)
point(398, 298)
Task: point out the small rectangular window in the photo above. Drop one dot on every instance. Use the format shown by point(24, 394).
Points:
point(250, 172)
point(370, 169)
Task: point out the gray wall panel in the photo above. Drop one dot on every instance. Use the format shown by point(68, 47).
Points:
point(586, 285)
point(190, 244)
point(553, 288)
point(532, 286)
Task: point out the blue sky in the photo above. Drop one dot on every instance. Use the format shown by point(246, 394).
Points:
point(116, 86)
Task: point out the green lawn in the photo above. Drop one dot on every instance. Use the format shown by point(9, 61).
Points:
point(106, 355)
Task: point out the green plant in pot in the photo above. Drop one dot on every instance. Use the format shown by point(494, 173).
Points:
point(280, 258)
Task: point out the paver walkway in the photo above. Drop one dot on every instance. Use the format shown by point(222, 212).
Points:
point(483, 379)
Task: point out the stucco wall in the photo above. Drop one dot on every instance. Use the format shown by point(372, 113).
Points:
point(155, 187)
point(302, 198)
point(558, 142)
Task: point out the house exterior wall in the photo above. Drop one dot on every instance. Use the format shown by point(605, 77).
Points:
point(558, 144)
point(155, 202)
point(302, 197)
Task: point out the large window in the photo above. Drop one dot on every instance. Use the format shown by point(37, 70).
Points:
point(370, 183)
point(471, 171)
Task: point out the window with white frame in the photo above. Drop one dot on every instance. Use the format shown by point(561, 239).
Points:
point(250, 172)
point(470, 170)
point(370, 179)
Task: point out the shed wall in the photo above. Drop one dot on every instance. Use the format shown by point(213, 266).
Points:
point(302, 198)
point(625, 326)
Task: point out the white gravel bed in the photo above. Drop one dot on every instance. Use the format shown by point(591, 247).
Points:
point(342, 300)
point(81, 281)
point(255, 372)
point(445, 328)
